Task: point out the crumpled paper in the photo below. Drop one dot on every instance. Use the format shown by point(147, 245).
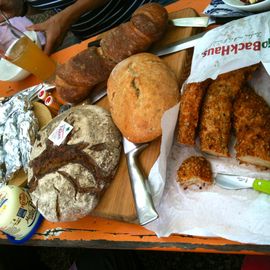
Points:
point(239, 215)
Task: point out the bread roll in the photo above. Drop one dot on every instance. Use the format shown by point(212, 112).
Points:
point(67, 181)
point(140, 89)
point(195, 173)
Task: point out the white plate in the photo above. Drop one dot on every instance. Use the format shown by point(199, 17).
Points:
point(258, 7)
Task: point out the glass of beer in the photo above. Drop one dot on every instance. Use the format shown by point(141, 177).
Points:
point(20, 50)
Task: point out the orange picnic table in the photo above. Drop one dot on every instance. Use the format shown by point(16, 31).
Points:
point(96, 232)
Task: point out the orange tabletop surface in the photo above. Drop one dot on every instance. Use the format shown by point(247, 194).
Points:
point(93, 232)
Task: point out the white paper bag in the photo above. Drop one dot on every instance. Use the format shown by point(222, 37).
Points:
point(242, 215)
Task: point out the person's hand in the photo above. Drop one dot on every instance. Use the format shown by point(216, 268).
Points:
point(11, 8)
point(55, 30)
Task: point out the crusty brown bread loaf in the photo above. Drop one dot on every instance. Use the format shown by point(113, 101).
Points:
point(124, 41)
point(67, 181)
point(75, 78)
point(140, 89)
point(88, 67)
point(195, 173)
point(151, 20)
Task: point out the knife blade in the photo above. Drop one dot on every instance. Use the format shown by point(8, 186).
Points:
point(179, 45)
point(228, 181)
point(173, 47)
point(191, 22)
point(201, 21)
point(142, 196)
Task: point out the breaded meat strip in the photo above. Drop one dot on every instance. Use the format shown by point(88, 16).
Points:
point(195, 173)
point(249, 111)
point(217, 111)
point(254, 147)
point(190, 105)
point(251, 119)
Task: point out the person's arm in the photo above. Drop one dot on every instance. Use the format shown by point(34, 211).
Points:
point(56, 27)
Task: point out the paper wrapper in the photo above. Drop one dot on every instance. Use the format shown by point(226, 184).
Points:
point(239, 215)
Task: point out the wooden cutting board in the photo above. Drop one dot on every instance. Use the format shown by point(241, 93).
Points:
point(117, 202)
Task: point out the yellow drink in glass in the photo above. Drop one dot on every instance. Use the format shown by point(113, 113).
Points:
point(27, 55)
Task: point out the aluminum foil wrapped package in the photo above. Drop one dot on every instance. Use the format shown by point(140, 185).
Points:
point(11, 146)
point(18, 129)
point(28, 127)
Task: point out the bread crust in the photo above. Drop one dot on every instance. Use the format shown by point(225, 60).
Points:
point(68, 92)
point(76, 78)
point(124, 41)
point(140, 89)
point(151, 20)
point(67, 181)
point(78, 72)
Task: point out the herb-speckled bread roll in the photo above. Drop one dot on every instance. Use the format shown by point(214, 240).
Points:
point(67, 181)
point(140, 89)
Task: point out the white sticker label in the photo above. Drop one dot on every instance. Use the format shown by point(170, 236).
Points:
point(60, 133)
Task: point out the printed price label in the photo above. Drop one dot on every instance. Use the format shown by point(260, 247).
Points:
point(60, 133)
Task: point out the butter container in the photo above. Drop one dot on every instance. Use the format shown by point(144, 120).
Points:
point(19, 218)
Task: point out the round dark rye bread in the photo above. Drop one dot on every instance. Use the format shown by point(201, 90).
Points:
point(67, 181)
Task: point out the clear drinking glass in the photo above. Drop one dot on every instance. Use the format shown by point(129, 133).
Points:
point(20, 50)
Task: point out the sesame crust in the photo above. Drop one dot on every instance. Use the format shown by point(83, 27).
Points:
point(249, 110)
point(254, 147)
point(252, 127)
point(217, 111)
point(188, 120)
point(196, 170)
